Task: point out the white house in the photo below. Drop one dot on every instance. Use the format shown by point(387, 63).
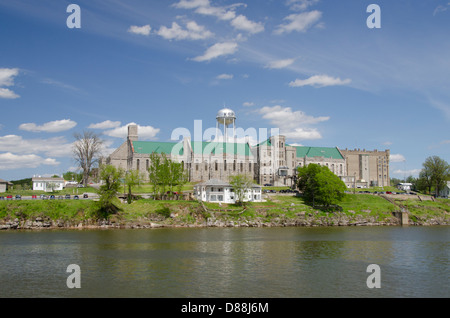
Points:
point(222, 192)
point(48, 184)
point(445, 192)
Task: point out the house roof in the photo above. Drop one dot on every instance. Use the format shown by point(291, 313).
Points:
point(217, 182)
point(4, 181)
point(47, 179)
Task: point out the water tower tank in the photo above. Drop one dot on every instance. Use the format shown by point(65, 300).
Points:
point(226, 116)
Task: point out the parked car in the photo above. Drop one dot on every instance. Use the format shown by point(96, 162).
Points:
point(34, 196)
point(268, 185)
point(67, 196)
point(76, 197)
point(2, 198)
point(60, 197)
point(9, 197)
point(85, 196)
point(52, 197)
point(18, 197)
point(44, 197)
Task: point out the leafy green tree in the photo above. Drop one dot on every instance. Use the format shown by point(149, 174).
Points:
point(111, 176)
point(132, 179)
point(320, 186)
point(165, 174)
point(240, 183)
point(435, 172)
point(73, 176)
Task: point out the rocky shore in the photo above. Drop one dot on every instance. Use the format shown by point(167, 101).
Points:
point(218, 220)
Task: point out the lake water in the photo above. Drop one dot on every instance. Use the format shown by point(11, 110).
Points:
point(227, 262)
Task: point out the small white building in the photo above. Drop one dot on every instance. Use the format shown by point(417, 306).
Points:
point(404, 186)
point(445, 192)
point(222, 192)
point(48, 184)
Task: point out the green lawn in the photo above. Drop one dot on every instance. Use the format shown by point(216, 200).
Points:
point(70, 191)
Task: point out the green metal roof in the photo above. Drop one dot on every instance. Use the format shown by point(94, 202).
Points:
point(217, 148)
point(198, 147)
point(148, 147)
point(325, 152)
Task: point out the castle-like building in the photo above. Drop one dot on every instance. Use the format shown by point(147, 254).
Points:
point(270, 162)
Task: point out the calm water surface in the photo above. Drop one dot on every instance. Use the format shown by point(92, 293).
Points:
point(217, 262)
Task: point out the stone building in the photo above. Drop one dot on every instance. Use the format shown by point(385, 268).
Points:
point(270, 162)
point(369, 168)
point(278, 161)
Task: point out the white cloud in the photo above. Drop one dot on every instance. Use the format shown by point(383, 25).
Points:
point(11, 161)
point(300, 22)
point(242, 23)
point(54, 147)
point(107, 124)
point(191, 4)
point(443, 107)
point(441, 8)
point(288, 121)
point(217, 50)
point(397, 158)
point(387, 143)
point(193, 31)
point(300, 5)
point(248, 104)
point(52, 126)
point(7, 79)
point(141, 30)
point(280, 63)
point(319, 81)
point(224, 76)
point(144, 132)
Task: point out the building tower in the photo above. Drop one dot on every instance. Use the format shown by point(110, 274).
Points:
point(225, 117)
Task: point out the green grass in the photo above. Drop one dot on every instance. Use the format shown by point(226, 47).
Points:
point(54, 209)
point(71, 191)
point(362, 203)
point(427, 208)
point(378, 189)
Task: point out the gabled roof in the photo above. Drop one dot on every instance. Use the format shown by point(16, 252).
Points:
point(4, 181)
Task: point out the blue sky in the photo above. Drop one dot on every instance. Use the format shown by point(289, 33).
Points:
point(311, 68)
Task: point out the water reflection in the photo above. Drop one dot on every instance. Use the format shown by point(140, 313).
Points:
point(252, 262)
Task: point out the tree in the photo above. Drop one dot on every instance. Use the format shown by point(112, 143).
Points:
point(435, 173)
point(165, 174)
point(320, 186)
point(86, 150)
point(240, 183)
point(132, 178)
point(109, 189)
point(73, 176)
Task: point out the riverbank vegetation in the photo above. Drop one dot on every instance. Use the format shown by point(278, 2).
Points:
point(277, 210)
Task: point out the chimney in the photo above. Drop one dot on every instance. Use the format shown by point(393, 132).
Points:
point(132, 132)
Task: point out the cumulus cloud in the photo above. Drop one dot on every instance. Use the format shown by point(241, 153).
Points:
point(300, 5)
point(300, 22)
point(319, 81)
point(242, 23)
point(248, 104)
point(288, 121)
point(224, 76)
point(54, 147)
point(12, 161)
point(217, 50)
point(397, 158)
point(144, 132)
point(193, 31)
point(141, 30)
point(280, 63)
point(411, 172)
point(204, 7)
point(52, 126)
point(107, 124)
point(7, 79)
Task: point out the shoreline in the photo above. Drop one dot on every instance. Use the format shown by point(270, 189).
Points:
point(335, 220)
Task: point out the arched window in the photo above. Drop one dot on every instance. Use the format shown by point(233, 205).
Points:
point(137, 164)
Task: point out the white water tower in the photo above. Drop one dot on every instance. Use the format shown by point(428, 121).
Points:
point(226, 117)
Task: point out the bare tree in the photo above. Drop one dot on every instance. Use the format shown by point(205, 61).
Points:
point(87, 150)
